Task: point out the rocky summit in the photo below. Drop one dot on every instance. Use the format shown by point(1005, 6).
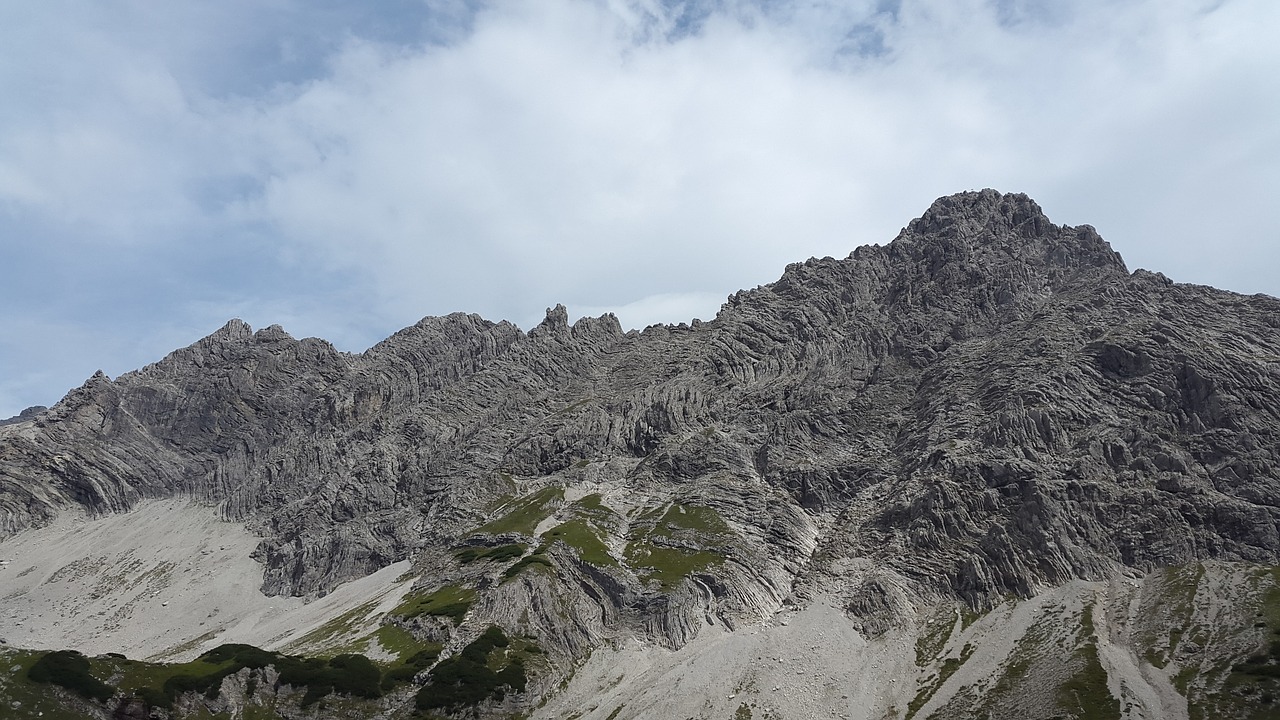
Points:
point(982, 471)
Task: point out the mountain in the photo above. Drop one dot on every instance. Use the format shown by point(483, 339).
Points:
point(980, 471)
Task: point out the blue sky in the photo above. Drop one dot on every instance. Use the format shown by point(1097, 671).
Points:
point(344, 169)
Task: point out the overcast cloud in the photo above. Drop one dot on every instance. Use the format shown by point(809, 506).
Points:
point(345, 170)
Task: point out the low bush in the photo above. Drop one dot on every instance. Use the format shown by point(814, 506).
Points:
point(70, 669)
point(496, 554)
point(466, 678)
point(350, 674)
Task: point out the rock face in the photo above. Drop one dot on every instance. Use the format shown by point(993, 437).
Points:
point(990, 405)
point(28, 414)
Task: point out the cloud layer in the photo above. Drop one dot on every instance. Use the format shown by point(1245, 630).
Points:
point(344, 172)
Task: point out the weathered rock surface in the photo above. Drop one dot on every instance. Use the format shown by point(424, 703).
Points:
point(989, 406)
point(28, 414)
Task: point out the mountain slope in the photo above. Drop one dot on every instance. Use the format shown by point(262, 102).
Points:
point(990, 406)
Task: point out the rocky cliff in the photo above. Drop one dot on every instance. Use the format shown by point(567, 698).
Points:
point(987, 407)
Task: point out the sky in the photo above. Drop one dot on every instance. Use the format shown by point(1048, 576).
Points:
point(344, 169)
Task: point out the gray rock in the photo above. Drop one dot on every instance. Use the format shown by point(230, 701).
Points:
point(991, 404)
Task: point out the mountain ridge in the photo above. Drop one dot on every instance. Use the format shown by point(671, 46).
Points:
point(989, 406)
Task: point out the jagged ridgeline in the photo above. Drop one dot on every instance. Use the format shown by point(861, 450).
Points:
point(980, 471)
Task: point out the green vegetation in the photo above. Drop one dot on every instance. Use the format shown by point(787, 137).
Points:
point(493, 554)
point(70, 670)
point(1017, 666)
point(1176, 601)
point(135, 676)
point(230, 659)
point(347, 674)
point(449, 601)
point(1085, 693)
point(537, 558)
point(742, 713)
point(1257, 678)
point(350, 674)
point(671, 565)
point(395, 639)
point(483, 670)
point(335, 631)
point(581, 536)
point(684, 541)
point(593, 503)
point(583, 531)
point(934, 635)
point(703, 520)
point(926, 691)
point(404, 671)
point(35, 699)
point(526, 513)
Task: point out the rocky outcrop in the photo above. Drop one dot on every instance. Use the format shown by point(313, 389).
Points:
point(991, 404)
point(24, 416)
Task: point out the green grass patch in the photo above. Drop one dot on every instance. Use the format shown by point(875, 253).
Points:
point(525, 513)
point(927, 691)
point(593, 502)
point(683, 540)
point(934, 636)
point(400, 642)
point(1173, 600)
point(407, 668)
point(136, 674)
point(1016, 669)
point(493, 554)
point(1085, 693)
point(669, 565)
point(34, 700)
point(449, 601)
point(332, 633)
point(536, 560)
point(71, 670)
point(582, 537)
point(703, 520)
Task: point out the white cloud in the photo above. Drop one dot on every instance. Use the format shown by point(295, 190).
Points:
point(344, 179)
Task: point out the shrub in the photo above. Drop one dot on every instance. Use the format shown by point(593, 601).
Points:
point(350, 674)
point(399, 675)
point(496, 554)
point(423, 658)
point(466, 679)
point(355, 674)
point(70, 669)
point(242, 655)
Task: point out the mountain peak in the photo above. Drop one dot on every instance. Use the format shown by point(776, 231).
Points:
point(983, 208)
point(990, 226)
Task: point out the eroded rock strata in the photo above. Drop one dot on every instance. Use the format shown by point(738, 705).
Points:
point(985, 408)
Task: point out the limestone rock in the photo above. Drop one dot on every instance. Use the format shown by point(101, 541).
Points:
point(989, 405)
